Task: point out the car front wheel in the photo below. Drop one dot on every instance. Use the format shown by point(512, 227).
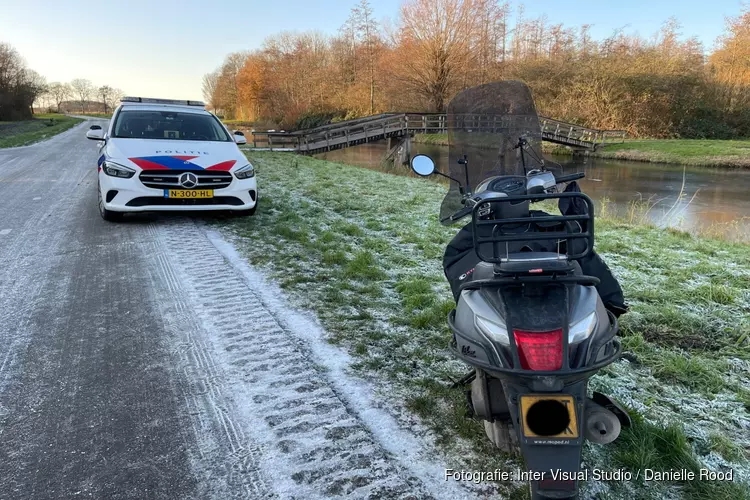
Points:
point(107, 215)
point(246, 213)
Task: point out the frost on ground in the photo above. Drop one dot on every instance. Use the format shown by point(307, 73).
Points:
point(362, 250)
point(409, 452)
point(295, 422)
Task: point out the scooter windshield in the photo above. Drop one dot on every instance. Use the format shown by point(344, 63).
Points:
point(490, 125)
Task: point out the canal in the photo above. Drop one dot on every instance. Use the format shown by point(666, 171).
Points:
point(712, 200)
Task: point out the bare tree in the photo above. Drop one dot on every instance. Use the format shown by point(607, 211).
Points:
point(222, 85)
point(367, 28)
point(105, 92)
point(730, 61)
point(348, 35)
point(83, 90)
point(113, 98)
point(210, 82)
point(435, 40)
point(37, 86)
point(19, 86)
point(59, 92)
point(229, 71)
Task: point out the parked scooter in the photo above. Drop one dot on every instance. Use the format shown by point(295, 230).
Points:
point(527, 320)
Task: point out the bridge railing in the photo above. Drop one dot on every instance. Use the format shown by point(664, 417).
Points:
point(562, 130)
point(273, 140)
point(348, 133)
point(332, 134)
point(388, 124)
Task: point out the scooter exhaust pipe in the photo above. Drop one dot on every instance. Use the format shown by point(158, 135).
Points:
point(600, 425)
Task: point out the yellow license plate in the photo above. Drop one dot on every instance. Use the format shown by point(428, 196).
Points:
point(189, 193)
point(545, 413)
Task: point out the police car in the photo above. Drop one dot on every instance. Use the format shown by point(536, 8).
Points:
point(168, 155)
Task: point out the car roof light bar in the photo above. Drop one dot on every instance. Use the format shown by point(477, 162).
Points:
point(149, 100)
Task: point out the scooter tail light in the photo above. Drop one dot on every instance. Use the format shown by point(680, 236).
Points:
point(540, 351)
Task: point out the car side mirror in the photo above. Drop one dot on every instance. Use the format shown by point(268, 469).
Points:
point(239, 137)
point(95, 134)
point(423, 165)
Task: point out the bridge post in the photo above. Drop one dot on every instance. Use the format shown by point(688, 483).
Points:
point(405, 151)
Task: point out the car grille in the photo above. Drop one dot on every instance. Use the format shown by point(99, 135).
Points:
point(165, 179)
point(144, 201)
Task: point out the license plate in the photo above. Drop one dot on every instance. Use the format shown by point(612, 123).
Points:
point(566, 400)
point(189, 193)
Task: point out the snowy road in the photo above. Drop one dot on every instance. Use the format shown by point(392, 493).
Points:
point(145, 359)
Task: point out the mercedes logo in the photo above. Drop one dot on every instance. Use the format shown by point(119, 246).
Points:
point(188, 180)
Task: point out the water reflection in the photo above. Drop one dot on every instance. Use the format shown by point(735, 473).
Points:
point(692, 198)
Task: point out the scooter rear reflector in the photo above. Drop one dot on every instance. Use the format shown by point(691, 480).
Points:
point(540, 351)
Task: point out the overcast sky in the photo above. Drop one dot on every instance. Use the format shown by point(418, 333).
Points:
point(162, 48)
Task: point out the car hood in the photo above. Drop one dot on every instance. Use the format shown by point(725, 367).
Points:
point(175, 155)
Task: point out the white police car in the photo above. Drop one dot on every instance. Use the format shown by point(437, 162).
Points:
point(167, 155)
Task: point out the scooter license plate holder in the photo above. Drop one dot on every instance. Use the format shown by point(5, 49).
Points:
point(557, 402)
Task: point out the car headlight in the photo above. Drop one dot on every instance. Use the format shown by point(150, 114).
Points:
point(245, 172)
point(115, 170)
point(582, 329)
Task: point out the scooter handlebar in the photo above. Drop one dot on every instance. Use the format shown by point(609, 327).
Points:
point(570, 177)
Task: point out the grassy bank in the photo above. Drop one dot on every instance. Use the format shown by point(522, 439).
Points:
point(362, 249)
point(691, 152)
point(434, 139)
point(735, 154)
point(30, 131)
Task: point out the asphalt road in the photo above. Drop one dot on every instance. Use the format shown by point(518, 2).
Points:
point(88, 405)
point(138, 360)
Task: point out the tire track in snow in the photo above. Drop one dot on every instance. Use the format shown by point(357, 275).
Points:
point(312, 449)
point(314, 443)
point(227, 461)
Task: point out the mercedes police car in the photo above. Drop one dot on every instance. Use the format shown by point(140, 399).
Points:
point(168, 155)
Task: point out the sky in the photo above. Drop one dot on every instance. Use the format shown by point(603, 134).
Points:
point(162, 48)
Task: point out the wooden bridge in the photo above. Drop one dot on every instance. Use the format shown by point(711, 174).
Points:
point(377, 127)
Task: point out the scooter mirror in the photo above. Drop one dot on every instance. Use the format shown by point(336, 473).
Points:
point(423, 165)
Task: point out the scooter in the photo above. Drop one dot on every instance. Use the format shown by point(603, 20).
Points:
point(530, 324)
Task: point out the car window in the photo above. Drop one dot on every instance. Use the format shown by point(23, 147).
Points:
point(171, 125)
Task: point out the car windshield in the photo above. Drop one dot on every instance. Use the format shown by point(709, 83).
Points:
point(171, 125)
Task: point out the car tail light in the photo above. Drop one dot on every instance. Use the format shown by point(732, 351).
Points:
point(539, 350)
